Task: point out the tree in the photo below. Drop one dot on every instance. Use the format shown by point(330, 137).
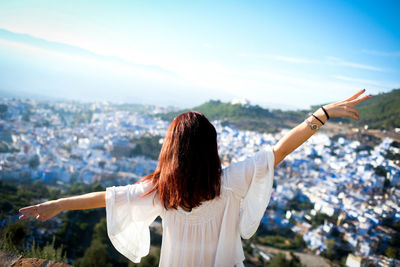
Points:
point(149, 261)
point(34, 161)
point(3, 110)
point(97, 254)
point(48, 252)
point(391, 252)
point(299, 241)
point(318, 219)
point(4, 147)
point(279, 260)
point(148, 146)
point(330, 248)
point(27, 115)
point(12, 237)
point(380, 171)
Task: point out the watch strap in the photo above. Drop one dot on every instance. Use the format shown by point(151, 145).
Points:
point(313, 126)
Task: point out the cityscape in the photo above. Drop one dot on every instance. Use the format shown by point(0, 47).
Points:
point(332, 193)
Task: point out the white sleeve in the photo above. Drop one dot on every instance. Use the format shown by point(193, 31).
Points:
point(128, 218)
point(258, 193)
point(238, 175)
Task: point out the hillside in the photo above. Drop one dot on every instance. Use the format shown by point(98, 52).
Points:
point(245, 117)
point(379, 112)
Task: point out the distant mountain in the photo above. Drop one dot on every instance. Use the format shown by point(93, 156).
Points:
point(32, 66)
point(379, 112)
point(30, 40)
point(245, 117)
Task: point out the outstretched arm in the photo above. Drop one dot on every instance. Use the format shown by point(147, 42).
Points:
point(46, 210)
point(303, 131)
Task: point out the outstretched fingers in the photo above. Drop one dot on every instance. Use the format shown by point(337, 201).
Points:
point(28, 209)
point(359, 100)
point(28, 212)
point(28, 215)
point(356, 95)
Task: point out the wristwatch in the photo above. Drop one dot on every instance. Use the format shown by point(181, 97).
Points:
point(313, 126)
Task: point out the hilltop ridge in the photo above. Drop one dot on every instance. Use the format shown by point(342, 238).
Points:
point(379, 112)
point(246, 117)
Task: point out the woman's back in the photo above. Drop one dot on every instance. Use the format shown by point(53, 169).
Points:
point(208, 235)
point(191, 238)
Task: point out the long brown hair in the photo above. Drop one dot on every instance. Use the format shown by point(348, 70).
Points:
point(189, 167)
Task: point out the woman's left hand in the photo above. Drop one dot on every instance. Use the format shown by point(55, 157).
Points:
point(346, 108)
point(43, 211)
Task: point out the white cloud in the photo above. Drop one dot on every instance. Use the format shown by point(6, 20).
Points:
point(294, 59)
point(339, 62)
point(365, 82)
point(279, 58)
point(358, 80)
point(335, 61)
point(381, 53)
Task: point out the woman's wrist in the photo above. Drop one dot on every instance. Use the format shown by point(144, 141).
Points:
point(60, 203)
point(319, 118)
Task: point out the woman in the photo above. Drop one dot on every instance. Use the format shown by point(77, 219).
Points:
point(204, 210)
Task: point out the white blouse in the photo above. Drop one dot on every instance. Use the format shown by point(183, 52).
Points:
point(209, 235)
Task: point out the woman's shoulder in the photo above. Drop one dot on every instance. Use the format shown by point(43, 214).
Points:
point(238, 175)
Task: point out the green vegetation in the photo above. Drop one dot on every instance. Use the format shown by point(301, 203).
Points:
point(13, 197)
point(148, 146)
point(250, 117)
point(96, 254)
point(286, 239)
point(393, 250)
point(138, 108)
point(81, 237)
point(282, 242)
point(151, 260)
point(279, 260)
point(34, 161)
point(379, 112)
point(318, 219)
point(336, 250)
point(12, 237)
point(48, 252)
point(83, 117)
point(393, 156)
point(27, 115)
point(3, 110)
point(4, 147)
point(295, 204)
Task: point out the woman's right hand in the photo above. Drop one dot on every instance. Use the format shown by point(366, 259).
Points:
point(346, 108)
point(43, 211)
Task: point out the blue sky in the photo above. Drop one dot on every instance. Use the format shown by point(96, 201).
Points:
point(288, 54)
